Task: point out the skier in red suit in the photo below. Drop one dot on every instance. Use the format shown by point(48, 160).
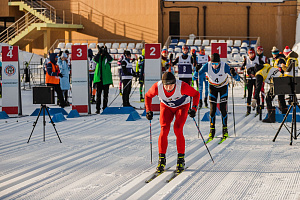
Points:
point(174, 98)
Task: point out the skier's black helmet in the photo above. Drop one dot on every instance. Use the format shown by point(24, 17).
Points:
point(215, 58)
point(168, 78)
point(127, 53)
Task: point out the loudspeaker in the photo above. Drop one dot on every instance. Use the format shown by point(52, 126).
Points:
point(282, 85)
point(43, 95)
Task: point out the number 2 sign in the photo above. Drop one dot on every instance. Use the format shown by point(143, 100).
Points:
point(79, 52)
point(220, 48)
point(152, 51)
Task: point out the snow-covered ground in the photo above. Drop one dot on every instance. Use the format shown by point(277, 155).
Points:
point(107, 157)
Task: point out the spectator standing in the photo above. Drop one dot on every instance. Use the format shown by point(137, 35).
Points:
point(64, 81)
point(53, 76)
point(92, 66)
point(102, 76)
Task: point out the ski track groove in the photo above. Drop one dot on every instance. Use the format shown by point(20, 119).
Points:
point(193, 147)
point(22, 145)
point(65, 161)
point(64, 132)
point(214, 146)
point(180, 192)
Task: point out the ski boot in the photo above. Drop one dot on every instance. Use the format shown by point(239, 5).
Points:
point(205, 102)
point(180, 163)
point(211, 134)
point(248, 111)
point(142, 99)
point(200, 103)
point(161, 163)
point(271, 116)
point(225, 133)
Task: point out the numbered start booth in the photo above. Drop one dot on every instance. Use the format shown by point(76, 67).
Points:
point(80, 80)
point(152, 70)
point(11, 89)
point(221, 49)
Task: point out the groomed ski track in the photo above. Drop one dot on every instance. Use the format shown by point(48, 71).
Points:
point(106, 157)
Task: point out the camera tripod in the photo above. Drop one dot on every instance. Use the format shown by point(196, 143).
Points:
point(293, 131)
point(43, 109)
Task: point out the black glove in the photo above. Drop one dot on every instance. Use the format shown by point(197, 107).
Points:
point(133, 59)
point(232, 71)
point(149, 115)
point(192, 113)
point(60, 75)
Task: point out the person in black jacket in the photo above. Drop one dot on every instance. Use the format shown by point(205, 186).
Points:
point(127, 75)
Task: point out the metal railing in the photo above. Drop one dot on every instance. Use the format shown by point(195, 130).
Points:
point(19, 26)
point(50, 11)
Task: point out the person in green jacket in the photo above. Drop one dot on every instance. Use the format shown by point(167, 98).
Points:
point(102, 76)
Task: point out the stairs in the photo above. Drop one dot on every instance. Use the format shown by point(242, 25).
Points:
point(40, 16)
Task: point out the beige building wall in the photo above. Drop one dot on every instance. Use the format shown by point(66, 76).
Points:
point(113, 19)
point(275, 24)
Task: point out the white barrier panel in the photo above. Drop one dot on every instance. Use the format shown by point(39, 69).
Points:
point(152, 70)
point(11, 90)
point(80, 77)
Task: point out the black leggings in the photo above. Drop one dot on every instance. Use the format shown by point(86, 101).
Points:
point(213, 96)
point(126, 91)
point(250, 85)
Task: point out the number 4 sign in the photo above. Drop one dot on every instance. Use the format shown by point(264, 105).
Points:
point(220, 48)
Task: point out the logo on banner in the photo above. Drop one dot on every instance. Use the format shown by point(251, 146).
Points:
point(9, 70)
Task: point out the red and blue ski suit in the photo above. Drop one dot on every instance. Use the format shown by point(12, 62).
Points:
point(174, 103)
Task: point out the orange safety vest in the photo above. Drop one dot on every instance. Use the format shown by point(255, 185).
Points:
point(52, 79)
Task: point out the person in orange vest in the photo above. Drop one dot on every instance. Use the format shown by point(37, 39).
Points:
point(53, 77)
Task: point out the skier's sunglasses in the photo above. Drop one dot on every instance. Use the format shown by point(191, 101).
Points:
point(214, 63)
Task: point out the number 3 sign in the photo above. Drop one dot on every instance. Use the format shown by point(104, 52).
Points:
point(79, 52)
point(220, 48)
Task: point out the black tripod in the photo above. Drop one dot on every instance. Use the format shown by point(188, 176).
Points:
point(43, 109)
point(294, 105)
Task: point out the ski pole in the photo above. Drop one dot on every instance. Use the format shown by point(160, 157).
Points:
point(203, 139)
point(150, 141)
point(137, 83)
point(119, 93)
point(233, 107)
point(199, 121)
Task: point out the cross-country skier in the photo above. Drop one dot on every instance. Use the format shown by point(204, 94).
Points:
point(201, 60)
point(127, 75)
point(174, 101)
point(185, 65)
point(140, 68)
point(217, 73)
point(264, 73)
point(248, 65)
point(279, 62)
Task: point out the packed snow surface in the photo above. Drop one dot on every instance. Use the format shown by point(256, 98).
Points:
point(107, 157)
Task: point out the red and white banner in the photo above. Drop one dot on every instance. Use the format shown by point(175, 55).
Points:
point(11, 90)
point(152, 70)
point(80, 77)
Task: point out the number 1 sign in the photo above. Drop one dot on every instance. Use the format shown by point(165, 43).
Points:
point(220, 48)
